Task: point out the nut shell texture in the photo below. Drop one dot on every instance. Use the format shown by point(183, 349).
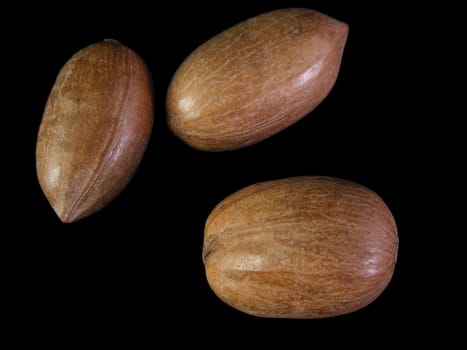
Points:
point(255, 79)
point(302, 247)
point(95, 129)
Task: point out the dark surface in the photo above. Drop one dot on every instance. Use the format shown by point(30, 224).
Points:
point(133, 271)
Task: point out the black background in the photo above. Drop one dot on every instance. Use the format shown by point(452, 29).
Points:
point(133, 271)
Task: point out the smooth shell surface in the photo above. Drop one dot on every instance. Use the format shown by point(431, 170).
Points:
point(302, 247)
point(255, 79)
point(94, 130)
